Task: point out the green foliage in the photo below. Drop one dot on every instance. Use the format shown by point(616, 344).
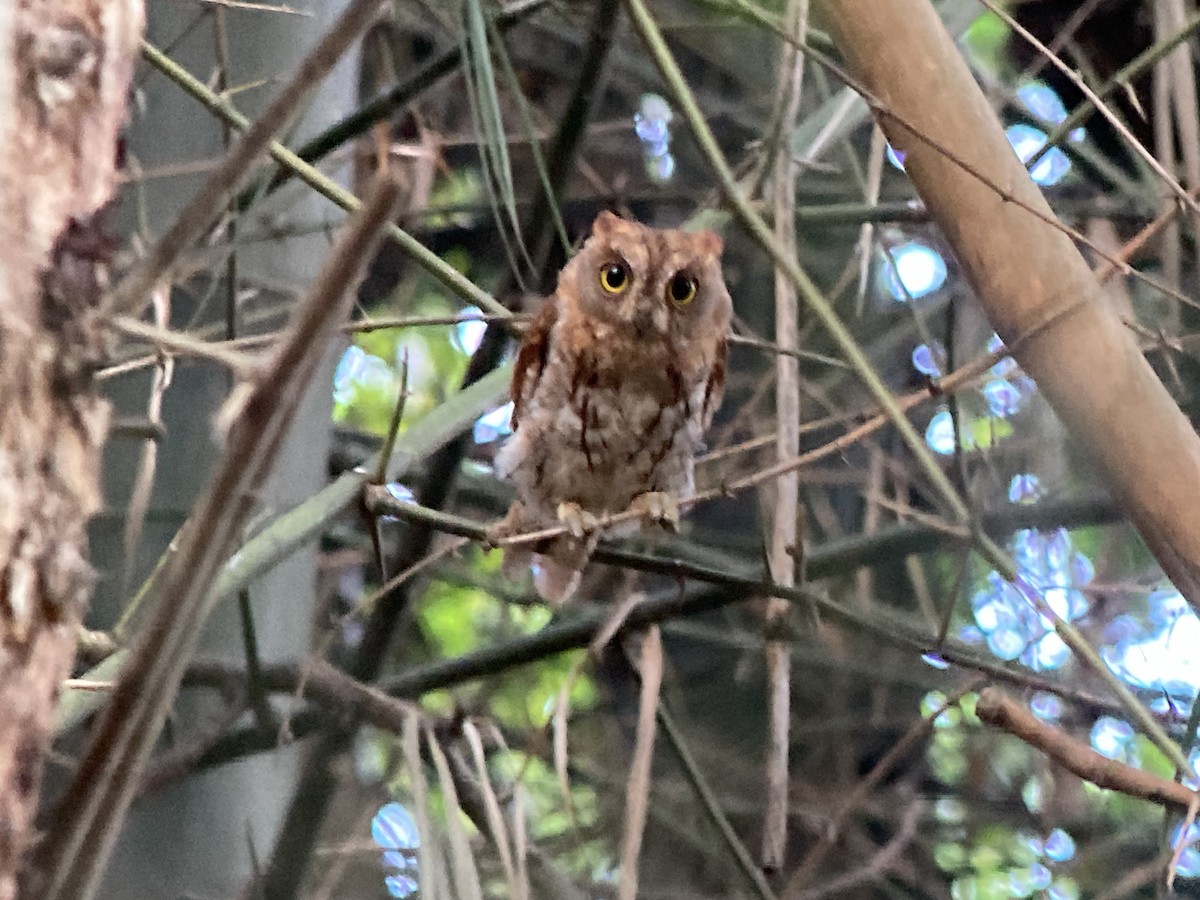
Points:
point(553, 818)
point(436, 365)
point(997, 863)
point(984, 40)
point(988, 861)
point(983, 432)
point(457, 619)
point(461, 188)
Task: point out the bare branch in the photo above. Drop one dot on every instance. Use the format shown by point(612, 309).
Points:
point(1035, 286)
point(995, 708)
point(784, 545)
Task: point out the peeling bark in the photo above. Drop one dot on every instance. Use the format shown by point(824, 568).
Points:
point(65, 67)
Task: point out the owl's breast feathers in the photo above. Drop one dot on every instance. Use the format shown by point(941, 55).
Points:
point(601, 416)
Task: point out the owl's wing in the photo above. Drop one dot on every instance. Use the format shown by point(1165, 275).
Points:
point(715, 389)
point(532, 356)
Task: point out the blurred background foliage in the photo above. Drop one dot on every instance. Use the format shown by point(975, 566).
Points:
point(478, 106)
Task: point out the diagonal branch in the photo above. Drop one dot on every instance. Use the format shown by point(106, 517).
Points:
point(1036, 288)
point(88, 819)
point(305, 522)
point(321, 183)
point(1035, 302)
point(995, 708)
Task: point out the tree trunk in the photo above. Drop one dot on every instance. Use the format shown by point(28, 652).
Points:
point(65, 67)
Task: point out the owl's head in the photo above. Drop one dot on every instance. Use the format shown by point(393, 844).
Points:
point(657, 283)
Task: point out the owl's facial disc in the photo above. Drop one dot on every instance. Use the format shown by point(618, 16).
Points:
point(623, 299)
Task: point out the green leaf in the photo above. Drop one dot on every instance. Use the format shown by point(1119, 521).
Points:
point(485, 109)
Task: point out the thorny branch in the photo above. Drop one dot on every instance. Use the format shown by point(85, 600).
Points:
point(130, 294)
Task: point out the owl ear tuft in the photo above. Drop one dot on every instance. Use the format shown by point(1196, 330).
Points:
point(606, 223)
point(710, 243)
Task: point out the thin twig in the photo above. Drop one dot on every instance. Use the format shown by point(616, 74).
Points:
point(1167, 178)
point(242, 365)
point(299, 526)
point(389, 445)
point(1182, 841)
point(143, 482)
point(1120, 80)
point(649, 666)
point(783, 545)
point(898, 752)
point(882, 109)
point(875, 867)
point(450, 277)
point(1068, 298)
point(261, 7)
point(86, 684)
point(711, 804)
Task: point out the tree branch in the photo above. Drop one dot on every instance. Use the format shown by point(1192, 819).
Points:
point(130, 293)
point(996, 709)
point(310, 800)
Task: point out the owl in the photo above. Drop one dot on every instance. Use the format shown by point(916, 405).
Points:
point(615, 381)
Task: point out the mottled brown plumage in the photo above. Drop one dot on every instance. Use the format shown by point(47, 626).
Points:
point(617, 377)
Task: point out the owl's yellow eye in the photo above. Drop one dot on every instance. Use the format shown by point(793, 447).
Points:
point(681, 289)
point(614, 277)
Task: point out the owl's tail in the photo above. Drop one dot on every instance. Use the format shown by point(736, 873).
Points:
point(557, 565)
point(558, 569)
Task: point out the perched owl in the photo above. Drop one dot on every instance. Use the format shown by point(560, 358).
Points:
point(616, 379)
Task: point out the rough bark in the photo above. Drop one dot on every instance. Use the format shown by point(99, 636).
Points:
point(65, 67)
point(1034, 284)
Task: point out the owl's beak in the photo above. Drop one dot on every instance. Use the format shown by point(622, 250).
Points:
point(645, 322)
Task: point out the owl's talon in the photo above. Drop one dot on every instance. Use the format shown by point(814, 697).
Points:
point(512, 523)
point(494, 534)
point(578, 521)
point(658, 508)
